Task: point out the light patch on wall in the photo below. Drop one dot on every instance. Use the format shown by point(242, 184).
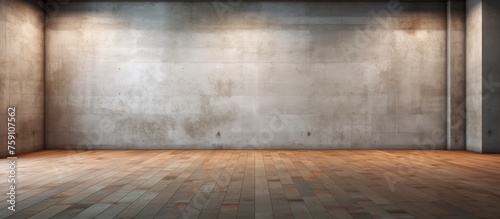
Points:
point(3, 31)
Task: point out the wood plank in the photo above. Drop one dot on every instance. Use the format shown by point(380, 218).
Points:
point(256, 184)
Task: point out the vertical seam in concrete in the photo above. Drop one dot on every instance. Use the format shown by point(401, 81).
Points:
point(482, 108)
point(448, 74)
point(466, 17)
point(6, 5)
point(44, 119)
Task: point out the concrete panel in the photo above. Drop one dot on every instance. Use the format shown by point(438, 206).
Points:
point(260, 75)
point(474, 71)
point(22, 74)
point(491, 77)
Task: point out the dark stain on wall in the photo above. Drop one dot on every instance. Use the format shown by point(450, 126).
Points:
point(413, 24)
point(208, 119)
point(224, 89)
point(421, 21)
point(152, 130)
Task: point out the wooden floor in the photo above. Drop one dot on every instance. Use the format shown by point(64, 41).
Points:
point(255, 184)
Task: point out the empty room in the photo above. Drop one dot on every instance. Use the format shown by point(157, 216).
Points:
point(250, 109)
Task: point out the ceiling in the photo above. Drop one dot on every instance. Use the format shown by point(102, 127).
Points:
point(249, 0)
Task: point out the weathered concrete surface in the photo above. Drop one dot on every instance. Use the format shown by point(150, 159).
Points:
point(456, 79)
point(22, 73)
point(483, 77)
point(259, 75)
point(491, 76)
point(474, 75)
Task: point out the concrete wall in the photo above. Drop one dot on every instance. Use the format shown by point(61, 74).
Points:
point(474, 75)
point(491, 76)
point(22, 73)
point(483, 77)
point(248, 75)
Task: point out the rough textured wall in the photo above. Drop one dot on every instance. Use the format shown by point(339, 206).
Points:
point(474, 71)
point(22, 73)
point(491, 76)
point(247, 75)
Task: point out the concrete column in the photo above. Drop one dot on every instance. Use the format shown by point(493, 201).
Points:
point(491, 76)
point(456, 75)
point(21, 73)
point(473, 75)
point(483, 76)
